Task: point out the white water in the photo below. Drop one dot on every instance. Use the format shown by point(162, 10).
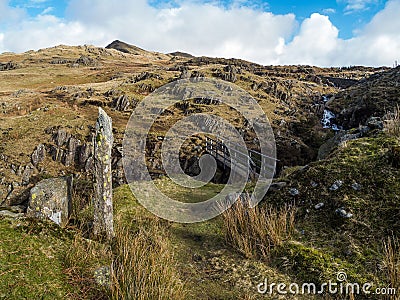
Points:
point(328, 117)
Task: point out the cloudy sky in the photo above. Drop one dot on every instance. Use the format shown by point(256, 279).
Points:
point(323, 33)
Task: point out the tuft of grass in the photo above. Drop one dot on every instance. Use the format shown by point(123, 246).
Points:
point(81, 261)
point(254, 231)
point(391, 251)
point(143, 265)
point(392, 122)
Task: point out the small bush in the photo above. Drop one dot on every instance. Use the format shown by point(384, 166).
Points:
point(254, 231)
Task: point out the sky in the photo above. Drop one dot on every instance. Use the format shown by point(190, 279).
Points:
point(276, 32)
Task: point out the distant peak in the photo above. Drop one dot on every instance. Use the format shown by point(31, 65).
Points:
point(124, 47)
point(181, 54)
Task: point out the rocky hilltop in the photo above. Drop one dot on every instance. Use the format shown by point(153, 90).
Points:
point(338, 151)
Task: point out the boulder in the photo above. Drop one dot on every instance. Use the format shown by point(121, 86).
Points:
point(51, 198)
point(16, 194)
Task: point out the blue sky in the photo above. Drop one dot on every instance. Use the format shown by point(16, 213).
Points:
point(330, 32)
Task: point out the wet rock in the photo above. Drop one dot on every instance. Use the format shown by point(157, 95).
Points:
point(51, 198)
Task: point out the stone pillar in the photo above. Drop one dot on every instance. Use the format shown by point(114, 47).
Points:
point(103, 206)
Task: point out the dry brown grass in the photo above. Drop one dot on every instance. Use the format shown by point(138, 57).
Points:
point(391, 250)
point(254, 231)
point(81, 261)
point(143, 267)
point(392, 122)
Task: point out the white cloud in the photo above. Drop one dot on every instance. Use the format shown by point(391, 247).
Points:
point(329, 11)
point(316, 42)
point(207, 29)
point(1, 41)
point(47, 11)
point(10, 15)
point(357, 5)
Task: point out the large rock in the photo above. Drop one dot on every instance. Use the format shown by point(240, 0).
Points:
point(51, 198)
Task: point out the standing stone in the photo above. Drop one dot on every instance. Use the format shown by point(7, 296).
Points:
point(51, 198)
point(103, 206)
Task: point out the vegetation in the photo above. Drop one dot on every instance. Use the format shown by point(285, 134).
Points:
point(338, 214)
point(254, 231)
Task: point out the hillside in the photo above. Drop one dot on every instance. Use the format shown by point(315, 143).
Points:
point(342, 185)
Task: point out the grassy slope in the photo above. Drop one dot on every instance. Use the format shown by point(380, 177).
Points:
point(31, 261)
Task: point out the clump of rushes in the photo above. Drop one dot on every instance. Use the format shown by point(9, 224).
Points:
point(392, 122)
point(81, 261)
point(391, 251)
point(255, 231)
point(143, 266)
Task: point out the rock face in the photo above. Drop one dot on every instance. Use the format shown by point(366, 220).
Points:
point(8, 66)
point(69, 150)
point(51, 198)
point(371, 97)
point(103, 206)
point(121, 103)
point(38, 155)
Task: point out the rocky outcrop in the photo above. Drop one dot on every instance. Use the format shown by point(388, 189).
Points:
point(8, 66)
point(51, 199)
point(38, 155)
point(229, 73)
point(69, 150)
point(121, 103)
point(85, 61)
point(372, 97)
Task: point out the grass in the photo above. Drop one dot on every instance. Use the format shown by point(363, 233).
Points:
point(392, 122)
point(143, 266)
point(254, 231)
point(81, 261)
point(31, 262)
point(391, 250)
